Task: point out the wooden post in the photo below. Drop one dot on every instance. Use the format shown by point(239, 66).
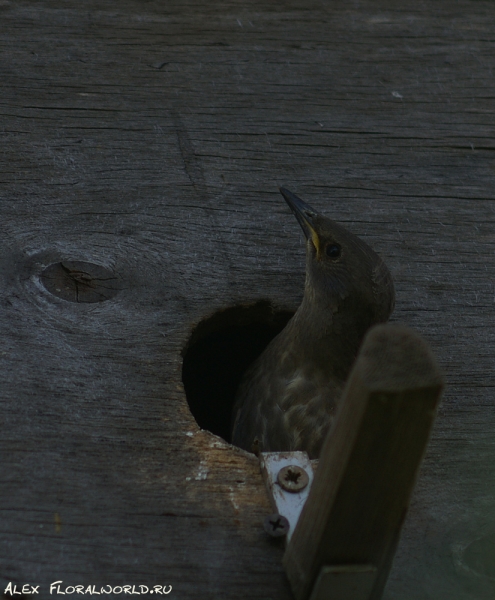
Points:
point(348, 531)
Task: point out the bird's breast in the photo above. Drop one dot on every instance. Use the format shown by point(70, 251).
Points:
point(285, 405)
point(308, 404)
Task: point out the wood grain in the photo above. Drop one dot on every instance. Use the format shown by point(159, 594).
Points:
point(150, 138)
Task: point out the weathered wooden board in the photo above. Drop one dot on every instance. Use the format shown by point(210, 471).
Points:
point(150, 138)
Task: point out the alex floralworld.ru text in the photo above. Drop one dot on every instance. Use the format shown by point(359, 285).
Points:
point(58, 588)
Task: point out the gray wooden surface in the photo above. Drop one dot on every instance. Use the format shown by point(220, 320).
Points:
point(150, 138)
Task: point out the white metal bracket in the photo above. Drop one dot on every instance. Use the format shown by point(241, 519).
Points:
point(288, 477)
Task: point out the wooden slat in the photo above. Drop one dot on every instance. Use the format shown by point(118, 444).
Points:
point(369, 462)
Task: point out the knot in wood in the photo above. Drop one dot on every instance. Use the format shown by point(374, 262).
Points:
point(80, 281)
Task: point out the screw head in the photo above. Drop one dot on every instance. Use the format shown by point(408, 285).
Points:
point(276, 525)
point(292, 478)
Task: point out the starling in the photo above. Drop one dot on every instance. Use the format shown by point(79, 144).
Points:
point(288, 397)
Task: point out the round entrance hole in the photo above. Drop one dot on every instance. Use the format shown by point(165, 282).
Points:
point(219, 351)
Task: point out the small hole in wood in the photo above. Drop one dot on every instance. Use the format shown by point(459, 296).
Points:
point(219, 351)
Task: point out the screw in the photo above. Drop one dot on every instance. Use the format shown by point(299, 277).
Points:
point(292, 478)
point(276, 525)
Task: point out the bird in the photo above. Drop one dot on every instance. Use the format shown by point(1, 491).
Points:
point(287, 398)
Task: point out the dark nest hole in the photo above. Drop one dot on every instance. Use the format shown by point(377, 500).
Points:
point(218, 353)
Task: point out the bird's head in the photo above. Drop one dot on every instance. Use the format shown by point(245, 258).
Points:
point(342, 272)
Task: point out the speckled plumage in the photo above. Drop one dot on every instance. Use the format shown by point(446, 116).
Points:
point(288, 397)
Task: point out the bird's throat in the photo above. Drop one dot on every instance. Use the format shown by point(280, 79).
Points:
point(324, 338)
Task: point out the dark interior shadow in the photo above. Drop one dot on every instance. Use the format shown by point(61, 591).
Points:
point(219, 351)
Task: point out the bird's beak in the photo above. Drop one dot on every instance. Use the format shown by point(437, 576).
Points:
point(305, 215)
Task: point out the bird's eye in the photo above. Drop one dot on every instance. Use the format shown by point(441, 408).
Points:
point(333, 250)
